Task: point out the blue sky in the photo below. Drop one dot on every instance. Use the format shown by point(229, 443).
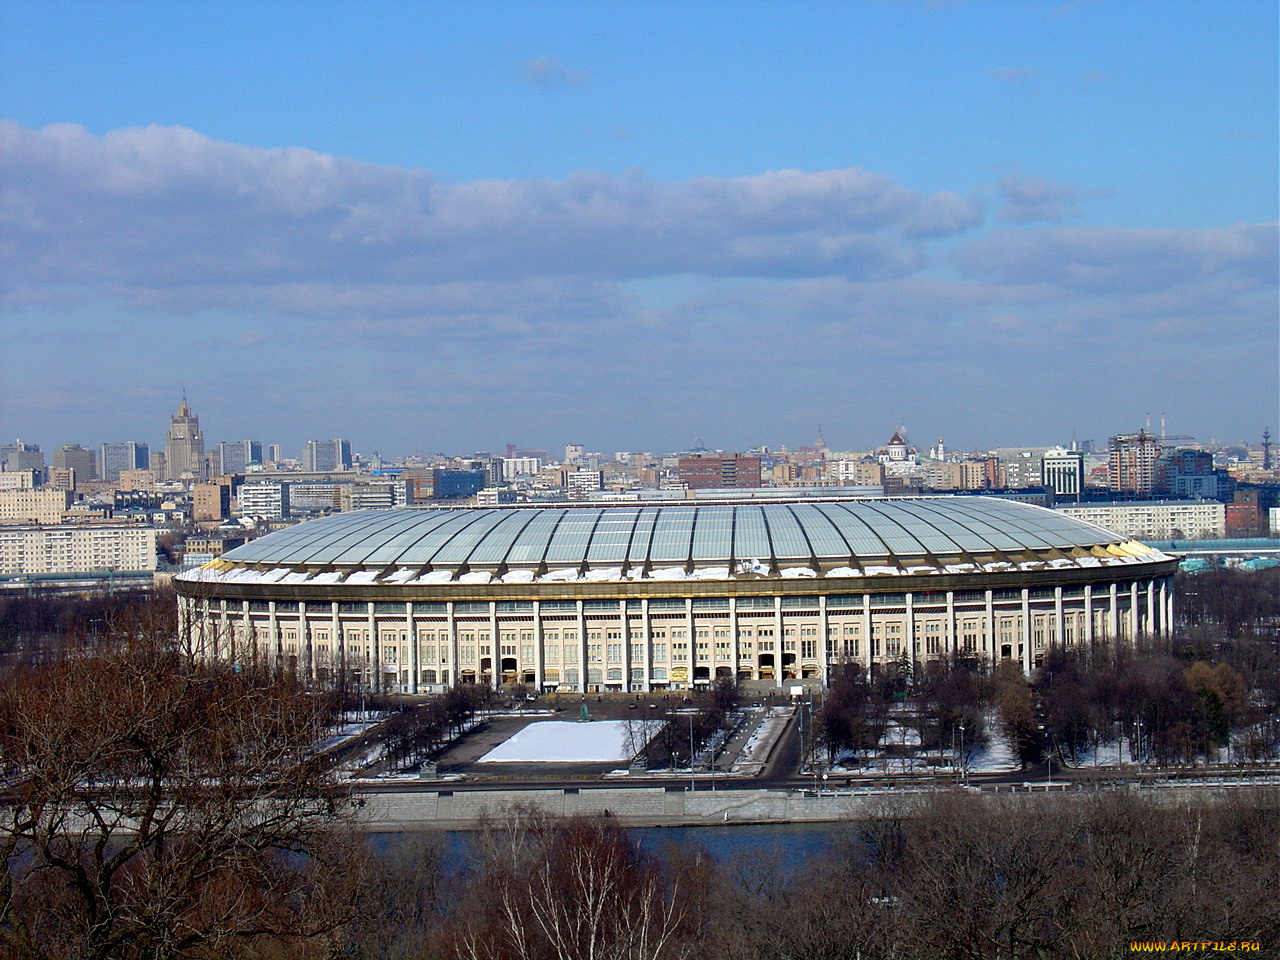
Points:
point(444, 226)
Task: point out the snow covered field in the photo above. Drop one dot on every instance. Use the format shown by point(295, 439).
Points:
point(566, 741)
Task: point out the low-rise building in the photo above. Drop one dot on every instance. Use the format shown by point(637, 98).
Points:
point(1155, 519)
point(76, 548)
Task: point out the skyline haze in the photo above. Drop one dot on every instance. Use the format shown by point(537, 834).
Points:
point(450, 226)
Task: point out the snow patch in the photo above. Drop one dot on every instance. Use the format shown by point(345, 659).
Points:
point(565, 741)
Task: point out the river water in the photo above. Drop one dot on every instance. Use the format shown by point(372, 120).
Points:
point(789, 843)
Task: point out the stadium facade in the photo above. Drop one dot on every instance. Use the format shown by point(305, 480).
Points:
point(641, 596)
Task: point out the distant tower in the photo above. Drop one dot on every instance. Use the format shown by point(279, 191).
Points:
point(184, 446)
point(1266, 449)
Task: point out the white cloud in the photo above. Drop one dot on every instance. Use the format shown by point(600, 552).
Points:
point(1028, 199)
point(312, 254)
point(547, 71)
point(164, 208)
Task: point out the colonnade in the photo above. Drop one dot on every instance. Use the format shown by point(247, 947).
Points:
point(642, 644)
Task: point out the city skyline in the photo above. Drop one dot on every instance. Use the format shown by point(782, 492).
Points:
point(294, 449)
point(638, 227)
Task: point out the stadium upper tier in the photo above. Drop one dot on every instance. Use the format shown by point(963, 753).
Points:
point(676, 541)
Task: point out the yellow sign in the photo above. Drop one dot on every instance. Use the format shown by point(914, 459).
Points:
point(679, 674)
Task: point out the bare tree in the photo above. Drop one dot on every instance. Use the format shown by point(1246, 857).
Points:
point(153, 806)
point(571, 889)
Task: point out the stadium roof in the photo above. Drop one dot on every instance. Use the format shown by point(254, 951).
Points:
point(677, 541)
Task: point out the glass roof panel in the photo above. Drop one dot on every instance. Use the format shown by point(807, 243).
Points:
point(296, 543)
point(355, 541)
point(569, 544)
point(671, 535)
point(638, 552)
point(712, 534)
point(789, 542)
point(455, 541)
point(532, 542)
point(750, 539)
point(612, 536)
point(492, 550)
point(992, 525)
point(395, 541)
point(934, 537)
point(861, 537)
point(823, 535)
point(882, 518)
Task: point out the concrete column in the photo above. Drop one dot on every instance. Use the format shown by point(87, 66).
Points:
point(1113, 616)
point(647, 628)
point(339, 638)
point(497, 644)
point(273, 625)
point(780, 644)
point(693, 640)
point(1152, 625)
point(993, 638)
point(626, 647)
point(909, 637)
point(867, 659)
point(1059, 628)
point(306, 644)
point(1170, 620)
point(375, 650)
point(539, 654)
point(1133, 612)
point(951, 624)
point(1027, 658)
point(582, 648)
point(415, 651)
point(455, 667)
point(824, 627)
point(735, 649)
point(1088, 614)
point(250, 638)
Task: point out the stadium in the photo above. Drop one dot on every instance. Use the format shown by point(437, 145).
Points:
point(639, 597)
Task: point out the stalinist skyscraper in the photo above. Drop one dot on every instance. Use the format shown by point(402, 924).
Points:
point(184, 447)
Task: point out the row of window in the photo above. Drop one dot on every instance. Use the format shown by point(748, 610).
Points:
point(887, 639)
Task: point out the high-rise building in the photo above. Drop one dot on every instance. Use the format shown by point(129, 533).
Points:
point(573, 452)
point(184, 446)
point(237, 456)
point(77, 458)
point(23, 456)
point(114, 457)
point(275, 452)
point(1063, 472)
point(1135, 465)
point(701, 473)
point(326, 456)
